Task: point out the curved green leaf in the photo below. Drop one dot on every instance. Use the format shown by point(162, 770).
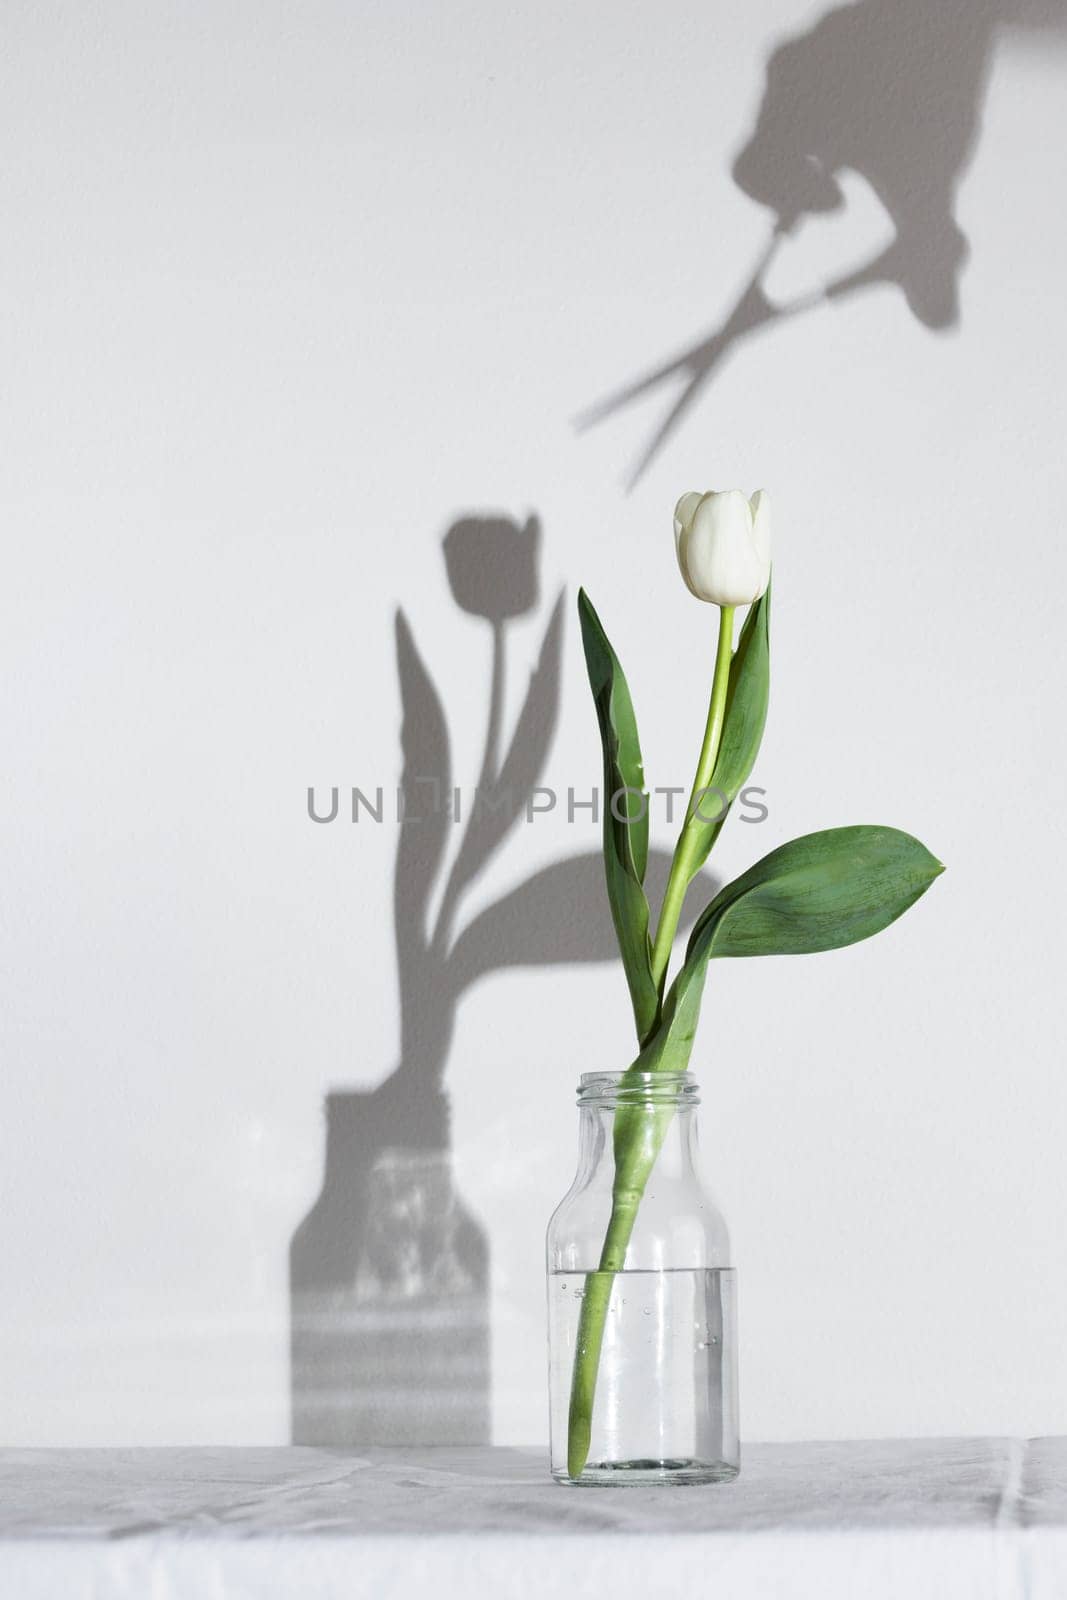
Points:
point(820, 892)
point(625, 833)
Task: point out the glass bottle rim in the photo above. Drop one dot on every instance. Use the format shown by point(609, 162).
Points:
point(609, 1089)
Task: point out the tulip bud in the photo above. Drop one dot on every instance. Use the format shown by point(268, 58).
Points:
point(724, 545)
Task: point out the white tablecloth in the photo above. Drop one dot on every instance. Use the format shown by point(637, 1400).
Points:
point(907, 1518)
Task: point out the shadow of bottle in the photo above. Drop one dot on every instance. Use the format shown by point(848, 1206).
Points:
point(389, 1282)
point(389, 1270)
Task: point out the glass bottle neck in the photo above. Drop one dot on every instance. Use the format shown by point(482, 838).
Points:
point(639, 1191)
point(677, 1127)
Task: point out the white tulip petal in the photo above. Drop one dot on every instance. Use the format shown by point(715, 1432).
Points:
point(681, 541)
point(761, 532)
point(718, 555)
point(683, 511)
point(683, 517)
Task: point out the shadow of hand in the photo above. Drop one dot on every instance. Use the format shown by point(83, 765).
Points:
point(892, 90)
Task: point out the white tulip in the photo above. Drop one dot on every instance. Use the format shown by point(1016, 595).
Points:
point(723, 542)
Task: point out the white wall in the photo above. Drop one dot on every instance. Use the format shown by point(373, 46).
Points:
point(286, 291)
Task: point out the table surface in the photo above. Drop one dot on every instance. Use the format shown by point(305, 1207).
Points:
point(976, 1517)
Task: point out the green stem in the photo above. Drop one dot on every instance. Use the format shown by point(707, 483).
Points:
point(638, 1141)
point(594, 1314)
point(640, 1130)
point(682, 865)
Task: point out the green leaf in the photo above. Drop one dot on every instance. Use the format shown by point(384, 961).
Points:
point(625, 834)
point(820, 892)
point(747, 694)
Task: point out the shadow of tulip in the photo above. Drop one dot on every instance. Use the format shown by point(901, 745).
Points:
point(389, 1271)
point(891, 90)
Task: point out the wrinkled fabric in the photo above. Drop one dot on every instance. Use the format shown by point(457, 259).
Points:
point(916, 1518)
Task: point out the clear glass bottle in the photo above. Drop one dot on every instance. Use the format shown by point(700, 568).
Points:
point(663, 1389)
